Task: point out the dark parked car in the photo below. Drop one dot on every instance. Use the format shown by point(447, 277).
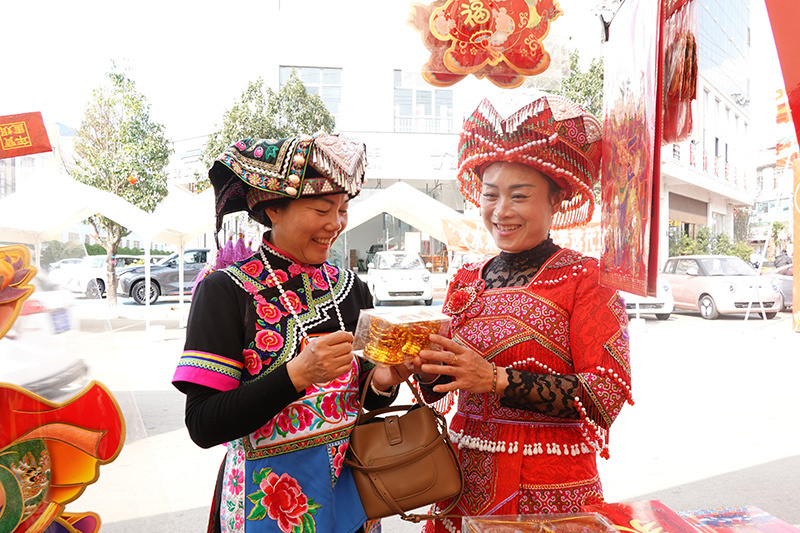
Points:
point(164, 277)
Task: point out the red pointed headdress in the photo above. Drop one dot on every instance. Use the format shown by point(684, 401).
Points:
point(551, 134)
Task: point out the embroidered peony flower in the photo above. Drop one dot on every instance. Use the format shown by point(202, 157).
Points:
point(338, 459)
point(284, 500)
point(241, 145)
point(294, 419)
point(319, 281)
point(236, 481)
point(268, 312)
point(281, 275)
point(253, 268)
point(332, 272)
point(252, 362)
point(293, 301)
point(268, 340)
point(332, 407)
point(265, 432)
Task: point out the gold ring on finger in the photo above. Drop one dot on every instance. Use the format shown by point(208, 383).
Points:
point(454, 361)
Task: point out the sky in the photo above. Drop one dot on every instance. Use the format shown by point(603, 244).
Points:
point(192, 60)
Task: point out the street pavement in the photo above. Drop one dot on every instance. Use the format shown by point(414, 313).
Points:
point(715, 421)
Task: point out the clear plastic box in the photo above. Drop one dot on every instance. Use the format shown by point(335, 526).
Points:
point(394, 336)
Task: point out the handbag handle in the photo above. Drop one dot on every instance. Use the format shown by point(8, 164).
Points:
point(370, 471)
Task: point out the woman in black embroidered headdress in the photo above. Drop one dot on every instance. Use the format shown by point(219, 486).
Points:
point(268, 366)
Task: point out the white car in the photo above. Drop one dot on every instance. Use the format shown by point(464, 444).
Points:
point(36, 353)
point(89, 276)
point(661, 305)
point(399, 276)
point(720, 284)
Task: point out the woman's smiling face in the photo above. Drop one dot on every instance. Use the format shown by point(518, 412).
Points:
point(517, 205)
point(307, 227)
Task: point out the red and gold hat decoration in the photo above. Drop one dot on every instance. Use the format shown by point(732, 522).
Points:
point(497, 39)
point(550, 134)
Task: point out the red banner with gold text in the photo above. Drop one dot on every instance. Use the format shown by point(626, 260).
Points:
point(23, 134)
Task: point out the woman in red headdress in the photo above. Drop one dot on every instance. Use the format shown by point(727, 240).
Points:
point(539, 349)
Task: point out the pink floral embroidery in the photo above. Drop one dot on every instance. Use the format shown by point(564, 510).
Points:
point(253, 268)
point(236, 481)
point(294, 419)
point(295, 269)
point(331, 407)
point(318, 280)
point(332, 272)
point(338, 459)
point(280, 275)
point(252, 362)
point(284, 500)
point(293, 301)
point(270, 313)
point(238, 521)
point(265, 432)
point(268, 340)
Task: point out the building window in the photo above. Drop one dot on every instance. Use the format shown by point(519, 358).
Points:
point(420, 108)
point(326, 82)
point(676, 152)
point(7, 178)
point(719, 223)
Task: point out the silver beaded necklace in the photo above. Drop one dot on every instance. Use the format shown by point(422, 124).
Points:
point(285, 299)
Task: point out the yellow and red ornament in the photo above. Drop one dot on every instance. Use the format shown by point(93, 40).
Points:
point(497, 39)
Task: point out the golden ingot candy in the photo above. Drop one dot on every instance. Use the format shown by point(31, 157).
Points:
point(417, 337)
point(384, 344)
point(389, 337)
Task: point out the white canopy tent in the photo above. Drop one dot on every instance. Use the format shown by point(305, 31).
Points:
point(403, 201)
point(35, 216)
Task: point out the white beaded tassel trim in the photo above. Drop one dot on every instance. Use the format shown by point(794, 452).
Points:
point(536, 448)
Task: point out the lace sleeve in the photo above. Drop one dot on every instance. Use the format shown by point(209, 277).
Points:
point(544, 393)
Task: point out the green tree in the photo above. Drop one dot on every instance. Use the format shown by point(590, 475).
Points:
point(53, 251)
point(121, 150)
point(703, 240)
point(584, 88)
point(741, 224)
point(721, 245)
point(261, 113)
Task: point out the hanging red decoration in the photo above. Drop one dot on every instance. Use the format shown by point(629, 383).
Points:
point(133, 180)
point(497, 39)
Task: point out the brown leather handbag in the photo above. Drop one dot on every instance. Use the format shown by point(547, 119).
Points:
point(402, 462)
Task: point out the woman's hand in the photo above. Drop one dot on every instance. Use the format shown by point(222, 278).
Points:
point(323, 359)
point(470, 371)
point(386, 377)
